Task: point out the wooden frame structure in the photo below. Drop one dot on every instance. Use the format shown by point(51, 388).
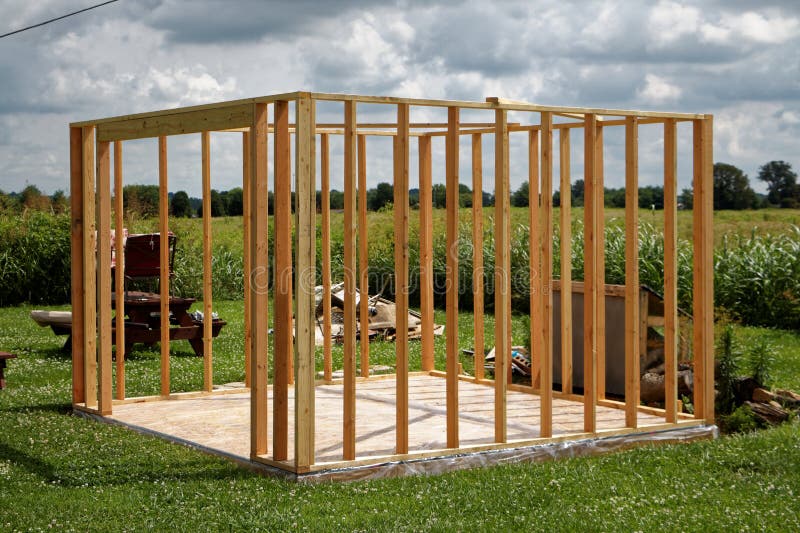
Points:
point(293, 361)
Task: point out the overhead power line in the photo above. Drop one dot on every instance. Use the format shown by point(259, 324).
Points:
point(57, 18)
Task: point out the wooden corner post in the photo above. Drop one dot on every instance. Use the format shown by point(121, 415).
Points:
point(545, 310)
point(502, 272)
point(349, 357)
point(119, 280)
point(452, 287)
point(89, 268)
point(163, 280)
point(259, 281)
point(305, 187)
point(205, 161)
point(76, 255)
point(282, 284)
point(670, 270)
point(104, 320)
point(704, 269)
point(401, 275)
point(590, 276)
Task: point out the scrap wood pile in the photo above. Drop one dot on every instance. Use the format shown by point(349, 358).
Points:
point(769, 407)
point(382, 317)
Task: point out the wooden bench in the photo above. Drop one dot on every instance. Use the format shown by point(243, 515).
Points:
point(4, 356)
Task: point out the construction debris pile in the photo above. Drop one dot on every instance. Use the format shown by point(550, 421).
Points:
point(382, 317)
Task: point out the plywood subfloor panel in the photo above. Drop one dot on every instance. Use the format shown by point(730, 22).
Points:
point(222, 422)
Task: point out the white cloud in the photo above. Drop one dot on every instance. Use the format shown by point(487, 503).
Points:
point(762, 28)
point(669, 21)
point(658, 90)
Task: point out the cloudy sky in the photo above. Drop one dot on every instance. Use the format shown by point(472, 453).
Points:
point(737, 59)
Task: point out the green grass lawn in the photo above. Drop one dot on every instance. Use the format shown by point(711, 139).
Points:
point(64, 472)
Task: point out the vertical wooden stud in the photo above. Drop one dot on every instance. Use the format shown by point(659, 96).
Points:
point(401, 274)
point(349, 362)
point(259, 281)
point(104, 275)
point(477, 251)
point(703, 299)
point(535, 163)
point(670, 270)
point(601, 263)
point(325, 208)
point(205, 157)
point(282, 284)
point(363, 257)
point(546, 242)
point(163, 227)
point(119, 277)
point(631, 271)
point(89, 269)
point(565, 239)
point(426, 250)
point(590, 276)
point(305, 167)
point(246, 256)
point(76, 256)
point(451, 325)
point(502, 276)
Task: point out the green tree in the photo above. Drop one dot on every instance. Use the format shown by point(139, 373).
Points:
point(732, 188)
point(58, 202)
point(141, 199)
point(32, 198)
point(380, 196)
point(781, 183)
point(234, 202)
point(439, 196)
point(577, 193)
point(179, 205)
point(521, 197)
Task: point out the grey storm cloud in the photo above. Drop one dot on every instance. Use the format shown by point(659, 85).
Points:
point(737, 59)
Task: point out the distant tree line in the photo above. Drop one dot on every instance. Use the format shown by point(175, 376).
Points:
point(731, 191)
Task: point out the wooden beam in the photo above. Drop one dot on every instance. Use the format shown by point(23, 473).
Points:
point(247, 180)
point(590, 277)
point(89, 269)
point(631, 271)
point(703, 299)
point(546, 253)
point(76, 257)
point(426, 251)
point(208, 367)
point(401, 275)
point(502, 272)
point(282, 284)
point(600, 272)
point(325, 208)
point(104, 275)
point(670, 270)
point(349, 357)
point(452, 287)
point(565, 240)
point(535, 164)
point(259, 281)
point(163, 282)
point(477, 252)
point(305, 186)
point(119, 276)
point(363, 257)
point(177, 123)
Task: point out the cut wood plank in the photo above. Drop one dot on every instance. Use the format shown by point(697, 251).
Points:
point(477, 251)
point(401, 274)
point(76, 262)
point(282, 284)
point(426, 251)
point(259, 282)
point(546, 252)
point(247, 180)
point(89, 269)
point(590, 277)
point(325, 169)
point(535, 255)
point(600, 273)
point(632, 355)
point(502, 299)
point(670, 269)
point(163, 280)
point(565, 240)
point(119, 276)
point(208, 357)
point(451, 324)
point(363, 255)
point(349, 358)
point(104, 319)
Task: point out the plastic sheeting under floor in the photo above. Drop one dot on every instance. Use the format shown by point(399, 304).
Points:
point(220, 424)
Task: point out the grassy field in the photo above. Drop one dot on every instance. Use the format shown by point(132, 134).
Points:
point(64, 472)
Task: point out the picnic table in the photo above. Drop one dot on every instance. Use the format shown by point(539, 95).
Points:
point(4, 356)
point(143, 322)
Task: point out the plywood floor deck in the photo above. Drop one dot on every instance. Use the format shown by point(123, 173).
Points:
point(222, 422)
